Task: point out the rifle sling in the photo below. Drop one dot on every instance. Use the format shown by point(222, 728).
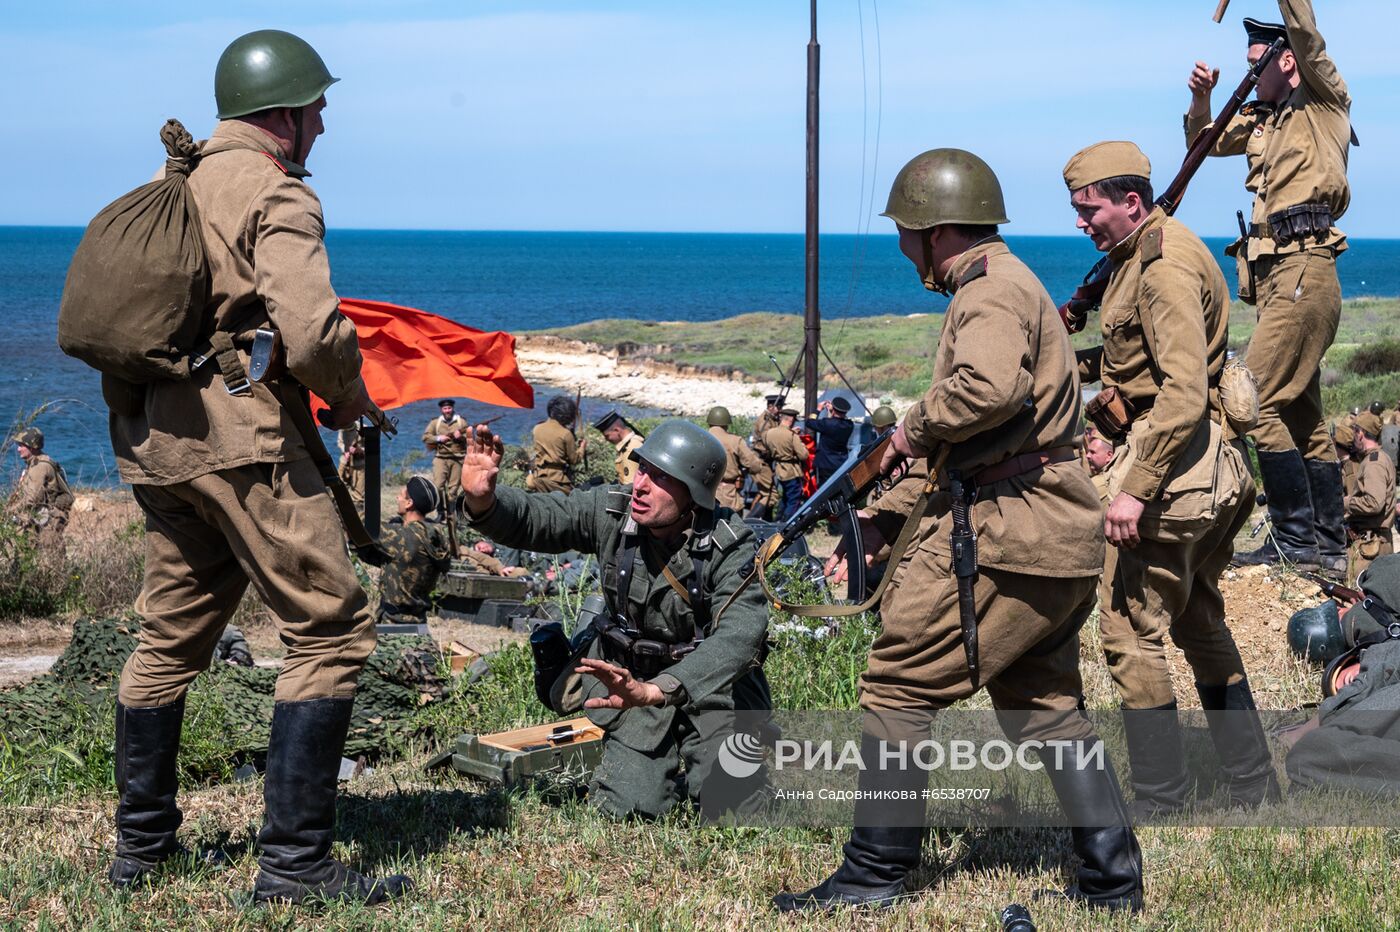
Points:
point(769, 551)
point(366, 547)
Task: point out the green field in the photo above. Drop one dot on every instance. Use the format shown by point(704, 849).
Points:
point(890, 354)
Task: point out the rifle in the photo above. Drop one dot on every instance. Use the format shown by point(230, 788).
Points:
point(1334, 590)
point(1087, 297)
point(785, 382)
point(268, 364)
point(578, 426)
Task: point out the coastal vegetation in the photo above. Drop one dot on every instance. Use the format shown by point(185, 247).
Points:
point(894, 355)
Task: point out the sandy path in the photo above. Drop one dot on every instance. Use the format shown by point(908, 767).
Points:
point(574, 365)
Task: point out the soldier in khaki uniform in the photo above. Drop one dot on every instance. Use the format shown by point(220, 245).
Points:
point(739, 461)
point(352, 462)
point(1004, 407)
point(445, 437)
point(419, 550)
point(1179, 490)
point(1370, 508)
point(669, 567)
point(767, 420)
point(619, 433)
point(41, 499)
point(788, 455)
point(1344, 440)
point(230, 497)
point(555, 450)
point(768, 492)
point(1294, 138)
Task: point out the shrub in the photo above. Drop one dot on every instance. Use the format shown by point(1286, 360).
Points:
point(1381, 358)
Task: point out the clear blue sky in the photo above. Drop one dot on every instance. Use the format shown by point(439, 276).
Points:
point(660, 115)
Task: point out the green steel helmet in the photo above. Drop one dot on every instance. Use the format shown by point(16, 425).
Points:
point(883, 417)
point(718, 416)
point(1315, 633)
point(31, 437)
point(268, 68)
point(945, 186)
point(686, 451)
point(1377, 408)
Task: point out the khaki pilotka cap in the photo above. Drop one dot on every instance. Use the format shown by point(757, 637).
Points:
point(1369, 424)
point(1105, 160)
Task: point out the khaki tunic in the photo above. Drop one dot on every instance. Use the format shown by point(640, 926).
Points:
point(225, 483)
point(482, 562)
point(787, 452)
point(1003, 384)
point(765, 423)
point(264, 237)
point(1165, 328)
point(554, 455)
point(1296, 154)
point(624, 463)
point(1370, 512)
point(42, 499)
point(447, 456)
point(739, 460)
point(1348, 476)
point(352, 467)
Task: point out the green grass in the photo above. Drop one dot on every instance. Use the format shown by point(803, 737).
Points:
point(895, 354)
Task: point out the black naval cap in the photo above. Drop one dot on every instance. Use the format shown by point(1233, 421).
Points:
point(1265, 33)
point(447, 403)
point(772, 399)
point(839, 403)
point(423, 494)
point(607, 420)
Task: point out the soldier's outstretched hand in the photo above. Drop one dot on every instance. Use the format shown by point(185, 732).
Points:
point(625, 691)
point(480, 467)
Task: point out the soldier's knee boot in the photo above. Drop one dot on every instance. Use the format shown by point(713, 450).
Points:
point(879, 857)
point(1110, 872)
point(1294, 536)
point(148, 742)
point(1240, 744)
point(1158, 763)
point(303, 764)
point(1325, 486)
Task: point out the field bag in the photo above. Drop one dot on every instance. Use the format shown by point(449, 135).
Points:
point(134, 301)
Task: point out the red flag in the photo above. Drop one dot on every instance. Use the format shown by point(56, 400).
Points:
point(410, 355)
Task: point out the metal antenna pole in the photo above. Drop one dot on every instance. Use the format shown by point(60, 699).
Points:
point(812, 324)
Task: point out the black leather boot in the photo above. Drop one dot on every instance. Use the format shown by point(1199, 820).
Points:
point(1110, 871)
point(148, 742)
point(1325, 486)
point(1240, 744)
point(1294, 538)
point(303, 763)
point(884, 846)
point(1158, 760)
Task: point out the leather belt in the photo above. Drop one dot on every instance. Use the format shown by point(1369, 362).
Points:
point(1024, 463)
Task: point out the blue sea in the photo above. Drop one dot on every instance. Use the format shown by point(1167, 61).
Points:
point(526, 281)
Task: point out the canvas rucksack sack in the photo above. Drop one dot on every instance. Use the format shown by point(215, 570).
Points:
point(134, 301)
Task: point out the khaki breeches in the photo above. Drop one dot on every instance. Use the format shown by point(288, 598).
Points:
point(1158, 588)
point(1028, 632)
point(271, 524)
point(447, 476)
point(1300, 305)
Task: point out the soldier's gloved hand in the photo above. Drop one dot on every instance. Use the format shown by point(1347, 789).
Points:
point(1120, 523)
point(625, 690)
point(480, 466)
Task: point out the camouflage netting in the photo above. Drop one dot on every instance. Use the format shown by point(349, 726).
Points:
point(399, 677)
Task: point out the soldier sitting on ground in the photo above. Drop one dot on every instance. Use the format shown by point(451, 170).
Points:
point(41, 499)
point(674, 644)
point(419, 551)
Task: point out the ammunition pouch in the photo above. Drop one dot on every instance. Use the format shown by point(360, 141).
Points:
point(1297, 223)
point(1112, 414)
point(643, 657)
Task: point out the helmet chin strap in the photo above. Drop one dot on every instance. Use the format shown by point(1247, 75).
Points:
point(931, 281)
point(298, 114)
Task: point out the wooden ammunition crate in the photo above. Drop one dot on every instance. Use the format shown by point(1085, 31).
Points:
point(515, 758)
point(460, 581)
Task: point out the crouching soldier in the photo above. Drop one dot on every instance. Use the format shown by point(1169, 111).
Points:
point(674, 642)
point(419, 552)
